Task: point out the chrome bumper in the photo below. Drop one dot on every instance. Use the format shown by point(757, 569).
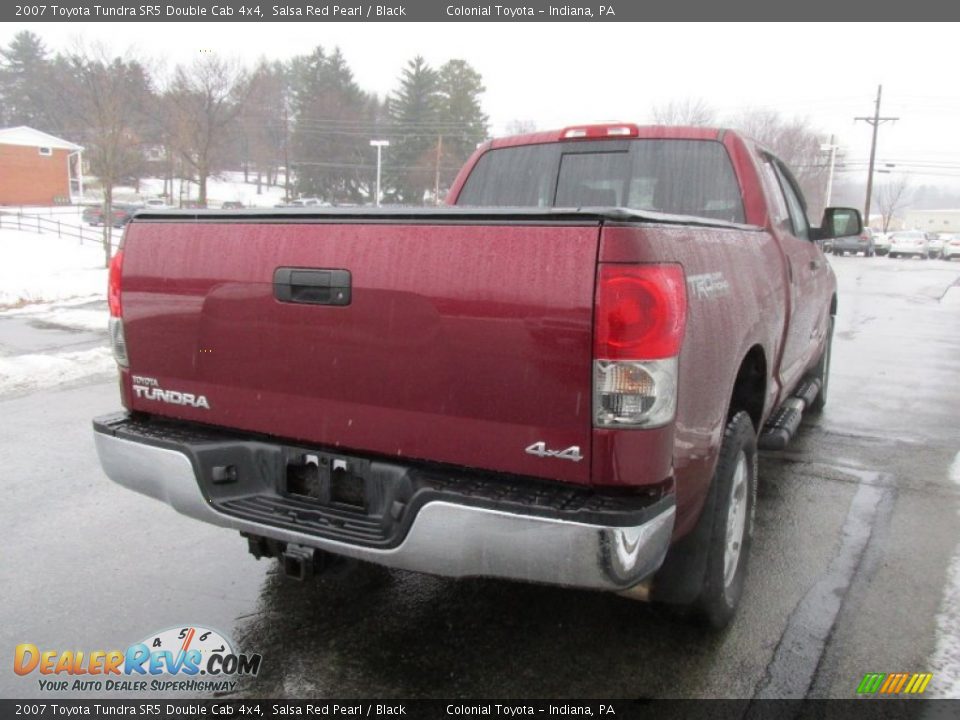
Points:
point(445, 538)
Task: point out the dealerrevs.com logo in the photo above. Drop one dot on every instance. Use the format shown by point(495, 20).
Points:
point(190, 659)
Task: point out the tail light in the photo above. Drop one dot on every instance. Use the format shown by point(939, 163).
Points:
point(117, 339)
point(641, 313)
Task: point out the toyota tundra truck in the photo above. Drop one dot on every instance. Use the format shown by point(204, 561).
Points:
point(563, 376)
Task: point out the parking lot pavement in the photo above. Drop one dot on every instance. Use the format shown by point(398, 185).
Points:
point(856, 531)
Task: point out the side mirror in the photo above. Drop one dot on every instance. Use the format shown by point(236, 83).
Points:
point(840, 222)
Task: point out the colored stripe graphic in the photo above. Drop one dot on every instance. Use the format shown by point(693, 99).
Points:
point(894, 683)
point(870, 683)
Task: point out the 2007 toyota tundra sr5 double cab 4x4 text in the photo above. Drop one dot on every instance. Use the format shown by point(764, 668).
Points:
point(562, 378)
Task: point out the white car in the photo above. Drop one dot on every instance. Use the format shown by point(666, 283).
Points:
point(155, 204)
point(881, 243)
point(907, 243)
point(309, 202)
point(951, 246)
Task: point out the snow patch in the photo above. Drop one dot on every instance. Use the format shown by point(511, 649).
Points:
point(946, 658)
point(25, 373)
point(93, 320)
point(40, 267)
point(954, 471)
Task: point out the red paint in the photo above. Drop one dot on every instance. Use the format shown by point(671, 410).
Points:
point(462, 345)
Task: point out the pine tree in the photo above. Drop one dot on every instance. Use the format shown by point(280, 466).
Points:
point(463, 122)
point(328, 144)
point(413, 110)
point(24, 83)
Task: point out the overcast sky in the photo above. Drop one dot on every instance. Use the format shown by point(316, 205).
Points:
point(558, 74)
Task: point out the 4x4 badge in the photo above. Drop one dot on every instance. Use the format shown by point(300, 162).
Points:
point(540, 450)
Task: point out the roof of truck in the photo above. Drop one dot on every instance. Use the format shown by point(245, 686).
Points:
point(610, 131)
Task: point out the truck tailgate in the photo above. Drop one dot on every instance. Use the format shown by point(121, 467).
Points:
point(461, 343)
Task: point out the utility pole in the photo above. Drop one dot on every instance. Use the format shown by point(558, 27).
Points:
point(831, 148)
point(875, 121)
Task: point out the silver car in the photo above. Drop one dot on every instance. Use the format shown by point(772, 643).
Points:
point(951, 246)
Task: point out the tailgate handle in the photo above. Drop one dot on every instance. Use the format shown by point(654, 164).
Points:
point(312, 286)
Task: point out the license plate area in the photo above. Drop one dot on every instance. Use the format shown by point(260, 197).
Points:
point(332, 480)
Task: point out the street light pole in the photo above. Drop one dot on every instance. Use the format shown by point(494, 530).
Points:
point(379, 145)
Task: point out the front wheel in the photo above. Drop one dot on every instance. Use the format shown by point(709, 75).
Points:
point(822, 371)
point(735, 482)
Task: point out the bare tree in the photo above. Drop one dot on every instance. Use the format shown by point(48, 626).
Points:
point(109, 99)
point(793, 140)
point(205, 99)
point(520, 127)
point(695, 112)
point(892, 197)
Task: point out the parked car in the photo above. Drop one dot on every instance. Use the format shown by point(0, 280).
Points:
point(862, 243)
point(934, 245)
point(232, 205)
point(544, 383)
point(909, 243)
point(951, 246)
point(308, 202)
point(881, 243)
point(156, 204)
point(122, 213)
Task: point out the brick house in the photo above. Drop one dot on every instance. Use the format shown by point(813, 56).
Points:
point(37, 168)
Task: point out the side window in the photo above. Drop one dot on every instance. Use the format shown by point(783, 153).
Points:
point(798, 216)
point(781, 217)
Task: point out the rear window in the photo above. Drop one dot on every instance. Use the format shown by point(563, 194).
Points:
point(682, 177)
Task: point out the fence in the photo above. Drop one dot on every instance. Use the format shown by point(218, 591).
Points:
point(41, 224)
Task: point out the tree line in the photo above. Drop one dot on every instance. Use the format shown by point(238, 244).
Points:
point(307, 114)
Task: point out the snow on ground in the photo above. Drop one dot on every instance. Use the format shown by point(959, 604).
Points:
point(40, 267)
point(946, 657)
point(226, 187)
point(25, 373)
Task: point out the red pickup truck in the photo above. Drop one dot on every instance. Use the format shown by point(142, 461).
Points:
point(563, 377)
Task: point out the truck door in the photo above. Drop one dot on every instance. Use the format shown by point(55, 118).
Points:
point(806, 270)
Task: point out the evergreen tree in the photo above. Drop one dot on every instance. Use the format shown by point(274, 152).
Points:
point(463, 122)
point(329, 144)
point(25, 89)
point(414, 112)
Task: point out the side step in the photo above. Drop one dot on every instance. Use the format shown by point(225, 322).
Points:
point(781, 427)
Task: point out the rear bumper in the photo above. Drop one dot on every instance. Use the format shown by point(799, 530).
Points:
point(446, 534)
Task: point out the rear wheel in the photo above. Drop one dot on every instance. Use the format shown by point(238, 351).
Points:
point(736, 487)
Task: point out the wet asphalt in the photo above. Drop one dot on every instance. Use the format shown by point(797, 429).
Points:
point(856, 525)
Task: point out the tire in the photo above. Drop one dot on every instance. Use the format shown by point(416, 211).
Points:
point(893, 256)
point(736, 486)
point(822, 371)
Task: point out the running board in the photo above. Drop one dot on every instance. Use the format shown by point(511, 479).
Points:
point(784, 423)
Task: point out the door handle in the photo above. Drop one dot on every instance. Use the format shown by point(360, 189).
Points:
point(312, 286)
